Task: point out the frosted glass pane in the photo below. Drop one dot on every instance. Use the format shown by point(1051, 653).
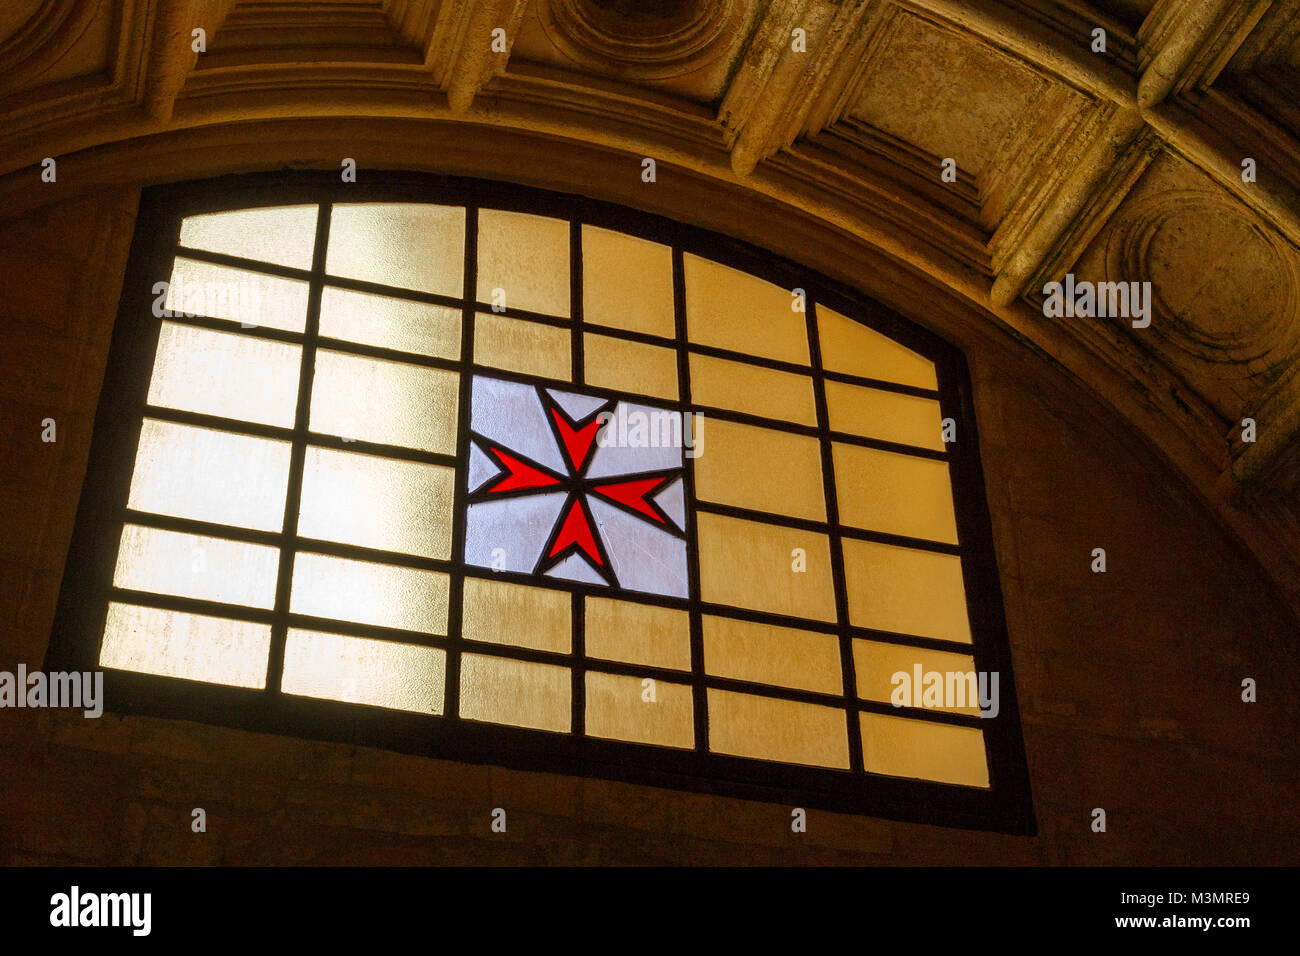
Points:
point(761, 469)
point(389, 322)
point(406, 245)
point(392, 403)
point(852, 348)
point(785, 730)
point(233, 376)
point(753, 565)
point(888, 416)
point(375, 502)
point(629, 366)
point(895, 493)
point(195, 566)
point(905, 590)
point(721, 383)
point(730, 309)
point(638, 633)
point(521, 346)
point(620, 708)
point(525, 256)
point(875, 664)
point(627, 282)
point(362, 671)
point(504, 691)
point(250, 298)
point(504, 613)
point(369, 593)
point(283, 235)
point(210, 475)
point(766, 654)
point(190, 646)
point(924, 750)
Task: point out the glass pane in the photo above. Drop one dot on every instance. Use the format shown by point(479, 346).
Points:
point(895, 493)
point(209, 475)
point(527, 258)
point(905, 590)
point(284, 235)
point(629, 366)
point(250, 298)
point(761, 469)
point(852, 348)
point(638, 634)
point(233, 376)
point(627, 282)
point(641, 710)
point(752, 389)
point(392, 403)
point(505, 691)
point(361, 671)
point(504, 613)
point(877, 664)
point(766, 654)
point(390, 323)
point(195, 566)
point(190, 646)
point(730, 309)
point(888, 416)
point(369, 593)
point(521, 346)
point(406, 245)
point(765, 567)
point(769, 729)
point(924, 750)
point(375, 502)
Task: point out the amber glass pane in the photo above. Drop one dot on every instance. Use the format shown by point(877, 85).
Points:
point(888, 416)
point(392, 403)
point(368, 593)
point(875, 665)
point(766, 654)
point(521, 693)
point(730, 309)
point(761, 469)
point(924, 749)
point(190, 646)
point(196, 566)
point(504, 613)
point(627, 708)
point(638, 633)
point(895, 493)
point(390, 322)
point(283, 235)
point(362, 671)
point(754, 565)
point(250, 298)
point(406, 245)
point(905, 590)
point(765, 392)
point(855, 349)
point(210, 475)
point(376, 502)
point(789, 731)
point(527, 257)
point(234, 376)
point(521, 346)
point(627, 282)
point(629, 366)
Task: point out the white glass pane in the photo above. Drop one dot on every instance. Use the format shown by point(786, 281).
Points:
point(362, 671)
point(417, 246)
point(390, 322)
point(284, 235)
point(196, 566)
point(392, 403)
point(250, 298)
point(368, 593)
point(191, 646)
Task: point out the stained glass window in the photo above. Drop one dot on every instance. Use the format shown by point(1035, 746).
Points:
point(510, 477)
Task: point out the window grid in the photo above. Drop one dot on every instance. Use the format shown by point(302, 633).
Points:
point(301, 437)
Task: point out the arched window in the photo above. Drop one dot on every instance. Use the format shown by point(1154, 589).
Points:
point(515, 477)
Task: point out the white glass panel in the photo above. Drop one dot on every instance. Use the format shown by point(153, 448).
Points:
point(191, 646)
point(362, 671)
point(284, 235)
point(196, 566)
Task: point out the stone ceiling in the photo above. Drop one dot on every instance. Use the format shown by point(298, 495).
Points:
point(1123, 165)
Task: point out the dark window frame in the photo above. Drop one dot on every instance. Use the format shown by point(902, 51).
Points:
point(1004, 807)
